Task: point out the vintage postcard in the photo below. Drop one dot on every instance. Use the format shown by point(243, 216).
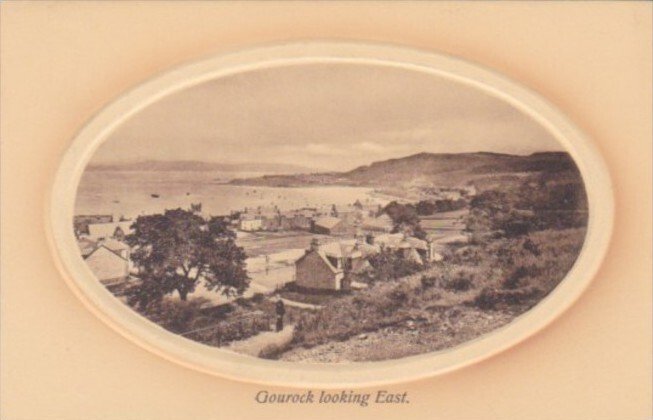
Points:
point(330, 212)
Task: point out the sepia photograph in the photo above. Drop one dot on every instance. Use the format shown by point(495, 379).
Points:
point(330, 213)
point(298, 210)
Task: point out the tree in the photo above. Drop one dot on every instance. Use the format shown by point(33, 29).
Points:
point(176, 250)
point(405, 219)
point(426, 208)
point(390, 264)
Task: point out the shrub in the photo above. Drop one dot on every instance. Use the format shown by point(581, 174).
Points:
point(377, 307)
point(428, 281)
point(518, 275)
point(399, 296)
point(235, 328)
point(492, 299)
point(173, 315)
point(258, 297)
point(530, 246)
point(459, 284)
point(389, 265)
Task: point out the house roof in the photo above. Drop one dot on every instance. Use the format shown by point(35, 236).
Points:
point(324, 256)
point(337, 249)
point(106, 265)
point(114, 245)
point(366, 249)
point(327, 222)
point(398, 240)
point(417, 243)
point(350, 248)
point(86, 246)
point(389, 239)
point(100, 248)
point(382, 222)
point(106, 230)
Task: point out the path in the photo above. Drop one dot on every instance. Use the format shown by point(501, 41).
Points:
point(300, 304)
point(253, 345)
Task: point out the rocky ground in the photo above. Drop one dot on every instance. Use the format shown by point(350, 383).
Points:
point(448, 327)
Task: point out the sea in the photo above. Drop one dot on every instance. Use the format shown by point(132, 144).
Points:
point(134, 193)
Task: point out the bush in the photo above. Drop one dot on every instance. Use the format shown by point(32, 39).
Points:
point(377, 307)
point(428, 281)
point(531, 247)
point(237, 328)
point(390, 265)
point(175, 316)
point(493, 299)
point(399, 296)
point(258, 297)
point(546, 201)
point(459, 284)
point(518, 275)
point(213, 326)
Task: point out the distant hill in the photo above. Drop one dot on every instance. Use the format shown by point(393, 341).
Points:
point(201, 166)
point(431, 168)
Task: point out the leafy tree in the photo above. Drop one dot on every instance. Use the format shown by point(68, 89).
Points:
point(538, 203)
point(405, 219)
point(390, 264)
point(426, 208)
point(176, 250)
point(429, 207)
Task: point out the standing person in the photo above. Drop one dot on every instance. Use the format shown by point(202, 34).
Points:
point(281, 311)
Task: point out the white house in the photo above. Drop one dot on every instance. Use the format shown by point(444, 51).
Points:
point(251, 224)
point(108, 266)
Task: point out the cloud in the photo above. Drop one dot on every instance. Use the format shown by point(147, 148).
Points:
point(332, 115)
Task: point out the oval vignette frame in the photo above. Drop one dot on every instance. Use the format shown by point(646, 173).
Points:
point(60, 210)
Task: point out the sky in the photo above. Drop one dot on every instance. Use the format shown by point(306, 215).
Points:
point(323, 116)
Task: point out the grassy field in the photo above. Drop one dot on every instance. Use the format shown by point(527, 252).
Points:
point(480, 288)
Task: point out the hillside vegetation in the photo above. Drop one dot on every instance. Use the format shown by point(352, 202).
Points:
point(525, 237)
point(428, 168)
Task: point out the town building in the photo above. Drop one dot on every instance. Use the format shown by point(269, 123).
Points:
point(329, 225)
point(250, 223)
point(382, 223)
point(337, 265)
point(109, 267)
point(419, 250)
point(118, 230)
point(86, 246)
point(315, 270)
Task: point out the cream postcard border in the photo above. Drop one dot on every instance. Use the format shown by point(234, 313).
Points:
point(60, 210)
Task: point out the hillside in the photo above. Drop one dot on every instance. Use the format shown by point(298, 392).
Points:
point(431, 168)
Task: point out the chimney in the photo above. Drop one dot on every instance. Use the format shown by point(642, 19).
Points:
point(369, 239)
point(315, 245)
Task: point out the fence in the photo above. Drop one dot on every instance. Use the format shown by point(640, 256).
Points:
point(226, 331)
